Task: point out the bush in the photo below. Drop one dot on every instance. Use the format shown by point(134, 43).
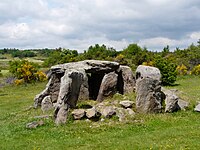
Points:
point(196, 70)
point(26, 72)
point(167, 69)
point(181, 69)
point(149, 63)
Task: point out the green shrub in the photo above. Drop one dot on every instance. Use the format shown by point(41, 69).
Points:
point(167, 69)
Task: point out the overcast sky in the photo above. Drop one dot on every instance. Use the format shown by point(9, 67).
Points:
point(77, 24)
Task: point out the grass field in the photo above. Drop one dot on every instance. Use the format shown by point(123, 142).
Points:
point(179, 130)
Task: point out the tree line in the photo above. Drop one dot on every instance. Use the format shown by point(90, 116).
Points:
point(170, 63)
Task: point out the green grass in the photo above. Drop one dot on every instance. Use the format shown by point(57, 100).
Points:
point(179, 130)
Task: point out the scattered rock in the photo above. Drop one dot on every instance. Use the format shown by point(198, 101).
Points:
point(34, 124)
point(43, 117)
point(78, 114)
point(108, 111)
point(102, 119)
point(183, 104)
point(29, 108)
point(92, 113)
point(171, 103)
point(130, 111)
point(124, 114)
point(197, 108)
point(46, 104)
point(127, 104)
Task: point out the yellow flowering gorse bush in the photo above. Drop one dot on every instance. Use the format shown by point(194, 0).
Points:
point(182, 69)
point(26, 72)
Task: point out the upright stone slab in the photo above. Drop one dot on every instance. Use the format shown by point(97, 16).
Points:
point(52, 88)
point(108, 86)
point(128, 79)
point(46, 104)
point(149, 96)
point(148, 88)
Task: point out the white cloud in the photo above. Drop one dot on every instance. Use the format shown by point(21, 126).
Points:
point(78, 24)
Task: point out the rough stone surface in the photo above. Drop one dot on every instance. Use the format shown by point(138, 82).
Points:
point(149, 95)
point(128, 79)
point(147, 71)
point(46, 104)
point(92, 113)
point(84, 89)
point(130, 111)
point(61, 114)
point(173, 102)
point(78, 114)
point(108, 111)
point(124, 114)
point(108, 86)
point(197, 108)
point(70, 87)
point(34, 124)
point(52, 89)
point(183, 104)
point(126, 104)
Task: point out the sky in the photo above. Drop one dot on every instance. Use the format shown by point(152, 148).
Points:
point(77, 24)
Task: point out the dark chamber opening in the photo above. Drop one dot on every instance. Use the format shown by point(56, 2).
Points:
point(120, 83)
point(94, 82)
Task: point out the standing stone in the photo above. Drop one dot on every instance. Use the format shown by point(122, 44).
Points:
point(61, 114)
point(70, 87)
point(148, 71)
point(84, 89)
point(149, 96)
point(46, 104)
point(52, 88)
point(128, 79)
point(108, 86)
point(68, 95)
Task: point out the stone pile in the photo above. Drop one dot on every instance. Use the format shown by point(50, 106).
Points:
point(122, 110)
